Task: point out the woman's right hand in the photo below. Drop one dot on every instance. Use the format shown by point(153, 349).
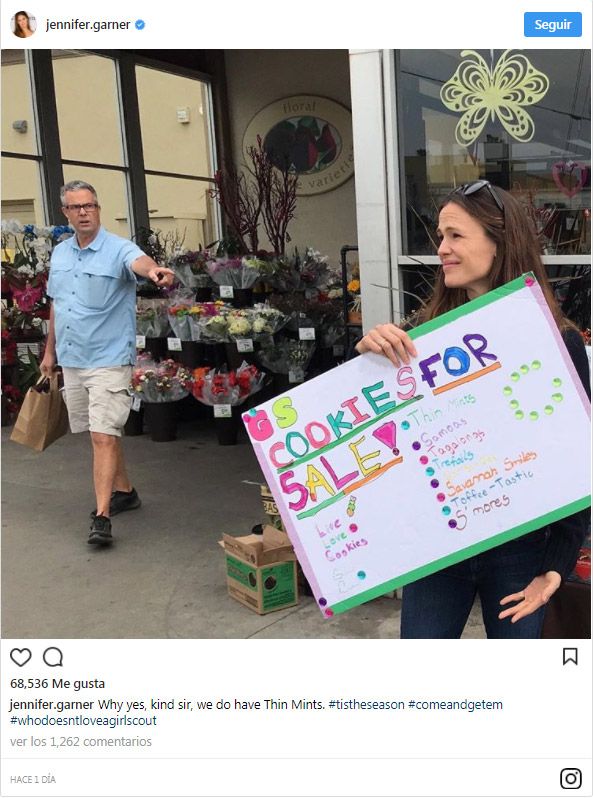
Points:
point(388, 340)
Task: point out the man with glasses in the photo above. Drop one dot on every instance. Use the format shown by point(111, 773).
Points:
point(92, 335)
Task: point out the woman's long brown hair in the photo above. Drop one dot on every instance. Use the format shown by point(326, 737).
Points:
point(517, 251)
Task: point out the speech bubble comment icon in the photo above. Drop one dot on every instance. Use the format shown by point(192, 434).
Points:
point(20, 656)
point(53, 657)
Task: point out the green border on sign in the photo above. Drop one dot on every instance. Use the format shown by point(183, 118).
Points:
point(462, 554)
point(475, 304)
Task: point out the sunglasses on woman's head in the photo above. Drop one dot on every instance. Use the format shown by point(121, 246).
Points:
point(467, 189)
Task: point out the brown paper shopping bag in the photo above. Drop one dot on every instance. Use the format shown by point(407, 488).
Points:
point(43, 417)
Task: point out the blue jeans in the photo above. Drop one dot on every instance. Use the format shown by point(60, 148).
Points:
point(439, 605)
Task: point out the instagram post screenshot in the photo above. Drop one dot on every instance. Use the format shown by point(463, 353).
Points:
point(296, 357)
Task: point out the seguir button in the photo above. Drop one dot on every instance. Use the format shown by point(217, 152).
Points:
point(552, 24)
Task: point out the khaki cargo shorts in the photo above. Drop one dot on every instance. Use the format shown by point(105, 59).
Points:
point(98, 399)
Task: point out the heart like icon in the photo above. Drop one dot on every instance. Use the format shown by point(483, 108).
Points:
point(20, 656)
point(570, 169)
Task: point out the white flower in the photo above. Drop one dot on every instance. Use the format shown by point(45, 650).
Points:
point(11, 226)
point(26, 270)
point(41, 247)
point(259, 325)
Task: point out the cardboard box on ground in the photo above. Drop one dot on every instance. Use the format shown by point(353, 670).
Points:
point(271, 510)
point(261, 570)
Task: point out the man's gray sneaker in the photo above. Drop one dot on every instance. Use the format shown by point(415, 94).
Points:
point(100, 534)
point(122, 501)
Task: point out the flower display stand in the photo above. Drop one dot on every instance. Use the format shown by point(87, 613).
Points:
point(192, 354)
point(242, 298)
point(204, 293)
point(157, 347)
point(161, 420)
point(227, 429)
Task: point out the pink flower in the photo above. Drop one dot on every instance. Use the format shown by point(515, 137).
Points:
point(26, 298)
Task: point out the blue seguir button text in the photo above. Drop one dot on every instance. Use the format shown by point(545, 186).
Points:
point(552, 23)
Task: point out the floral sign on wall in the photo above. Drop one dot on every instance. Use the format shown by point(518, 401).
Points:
point(502, 91)
point(312, 135)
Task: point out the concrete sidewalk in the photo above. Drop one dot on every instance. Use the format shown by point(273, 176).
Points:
point(164, 577)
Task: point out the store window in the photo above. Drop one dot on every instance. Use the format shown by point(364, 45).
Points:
point(178, 157)
point(18, 123)
point(22, 196)
point(88, 103)
point(454, 128)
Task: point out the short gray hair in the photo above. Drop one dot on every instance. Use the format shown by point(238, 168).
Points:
point(76, 185)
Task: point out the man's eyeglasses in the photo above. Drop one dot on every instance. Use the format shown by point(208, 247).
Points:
point(471, 188)
point(87, 206)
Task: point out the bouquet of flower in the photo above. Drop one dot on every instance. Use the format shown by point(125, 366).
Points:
point(287, 355)
point(266, 320)
point(309, 273)
point(191, 268)
point(213, 387)
point(240, 324)
point(166, 381)
point(26, 251)
point(208, 321)
point(180, 303)
point(236, 271)
point(151, 319)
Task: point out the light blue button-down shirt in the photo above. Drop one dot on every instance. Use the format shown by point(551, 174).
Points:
point(94, 298)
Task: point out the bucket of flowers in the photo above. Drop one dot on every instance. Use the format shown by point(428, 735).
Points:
point(160, 386)
point(192, 272)
point(225, 392)
point(288, 360)
point(236, 277)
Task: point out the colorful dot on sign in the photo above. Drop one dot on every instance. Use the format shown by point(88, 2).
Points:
point(434, 483)
point(253, 412)
point(405, 425)
point(529, 281)
point(548, 410)
point(515, 376)
point(446, 511)
point(452, 523)
point(441, 497)
point(507, 390)
point(557, 397)
point(353, 528)
point(524, 368)
point(513, 404)
point(424, 459)
point(361, 575)
point(429, 472)
point(534, 415)
point(536, 365)
point(556, 382)
point(323, 602)
point(519, 414)
point(329, 613)
point(416, 445)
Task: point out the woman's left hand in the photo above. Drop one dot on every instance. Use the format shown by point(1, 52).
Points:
point(537, 593)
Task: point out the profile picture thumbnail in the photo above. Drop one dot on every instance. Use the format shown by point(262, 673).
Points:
point(23, 24)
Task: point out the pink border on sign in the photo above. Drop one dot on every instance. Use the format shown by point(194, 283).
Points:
point(539, 297)
point(294, 538)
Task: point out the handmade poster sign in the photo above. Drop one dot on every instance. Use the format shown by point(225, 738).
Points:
point(384, 475)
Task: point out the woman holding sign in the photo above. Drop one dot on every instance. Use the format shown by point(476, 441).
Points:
point(487, 240)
